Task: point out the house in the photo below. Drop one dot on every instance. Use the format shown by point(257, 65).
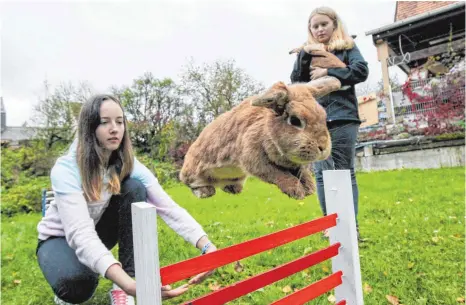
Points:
point(416, 42)
point(369, 110)
point(13, 136)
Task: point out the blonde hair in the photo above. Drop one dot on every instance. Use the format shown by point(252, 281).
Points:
point(340, 39)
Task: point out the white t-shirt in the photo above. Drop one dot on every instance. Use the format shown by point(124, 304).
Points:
point(71, 216)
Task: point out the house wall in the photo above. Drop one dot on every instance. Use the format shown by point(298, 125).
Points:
point(406, 9)
point(368, 113)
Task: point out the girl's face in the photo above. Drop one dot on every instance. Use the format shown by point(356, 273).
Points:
point(111, 129)
point(321, 28)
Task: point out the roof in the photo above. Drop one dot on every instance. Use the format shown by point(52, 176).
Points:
point(15, 134)
point(416, 18)
point(367, 98)
point(422, 32)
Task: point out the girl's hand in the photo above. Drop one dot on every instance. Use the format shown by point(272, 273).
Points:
point(316, 73)
point(168, 292)
point(202, 276)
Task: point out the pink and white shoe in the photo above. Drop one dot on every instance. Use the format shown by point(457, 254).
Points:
point(119, 297)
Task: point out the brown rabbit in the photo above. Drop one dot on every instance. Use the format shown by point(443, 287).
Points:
point(273, 136)
point(320, 57)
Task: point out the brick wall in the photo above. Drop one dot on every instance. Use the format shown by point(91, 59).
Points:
point(405, 9)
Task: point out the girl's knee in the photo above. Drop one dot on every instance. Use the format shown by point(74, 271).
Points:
point(76, 290)
point(134, 187)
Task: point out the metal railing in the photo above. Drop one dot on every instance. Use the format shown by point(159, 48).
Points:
point(431, 93)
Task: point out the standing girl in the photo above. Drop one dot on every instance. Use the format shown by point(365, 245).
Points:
point(325, 31)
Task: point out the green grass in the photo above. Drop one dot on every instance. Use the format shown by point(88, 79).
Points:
point(413, 221)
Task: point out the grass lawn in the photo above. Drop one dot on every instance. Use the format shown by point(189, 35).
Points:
point(413, 221)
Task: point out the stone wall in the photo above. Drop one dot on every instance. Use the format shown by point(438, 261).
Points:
point(412, 153)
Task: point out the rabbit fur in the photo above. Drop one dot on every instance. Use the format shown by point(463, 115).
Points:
point(273, 136)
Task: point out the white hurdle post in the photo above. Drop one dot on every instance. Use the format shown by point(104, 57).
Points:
point(339, 200)
point(146, 254)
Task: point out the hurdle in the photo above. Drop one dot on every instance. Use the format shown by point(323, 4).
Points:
point(343, 252)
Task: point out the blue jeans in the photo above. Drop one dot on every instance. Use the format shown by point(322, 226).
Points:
point(74, 282)
point(344, 135)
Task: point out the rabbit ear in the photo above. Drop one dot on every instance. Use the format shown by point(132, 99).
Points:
point(323, 86)
point(275, 98)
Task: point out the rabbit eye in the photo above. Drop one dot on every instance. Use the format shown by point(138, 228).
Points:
point(295, 121)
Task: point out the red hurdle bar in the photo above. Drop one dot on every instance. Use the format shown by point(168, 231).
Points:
point(185, 269)
point(344, 253)
point(241, 288)
point(312, 291)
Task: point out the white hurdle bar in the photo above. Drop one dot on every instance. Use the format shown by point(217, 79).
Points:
point(146, 254)
point(339, 200)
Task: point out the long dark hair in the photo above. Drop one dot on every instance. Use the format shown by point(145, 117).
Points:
point(90, 158)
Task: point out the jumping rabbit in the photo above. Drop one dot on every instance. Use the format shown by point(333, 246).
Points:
point(273, 136)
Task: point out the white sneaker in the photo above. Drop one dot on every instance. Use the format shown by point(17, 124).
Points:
point(60, 302)
point(119, 297)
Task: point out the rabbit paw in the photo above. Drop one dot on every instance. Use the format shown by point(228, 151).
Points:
point(233, 188)
point(308, 182)
point(294, 189)
point(204, 191)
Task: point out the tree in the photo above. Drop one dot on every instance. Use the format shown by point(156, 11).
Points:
point(56, 115)
point(150, 104)
point(212, 89)
point(368, 88)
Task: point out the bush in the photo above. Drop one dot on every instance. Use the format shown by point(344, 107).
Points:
point(166, 173)
point(24, 197)
point(25, 172)
point(32, 160)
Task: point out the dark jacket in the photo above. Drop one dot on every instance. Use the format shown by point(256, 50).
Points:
point(343, 104)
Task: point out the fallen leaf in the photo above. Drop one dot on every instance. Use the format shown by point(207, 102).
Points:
point(17, 282)
point(410, 265)
point(286, 289)
point(270, 252)
point(332, 299)
point(307, 250)
point(301, 203)
point(435, 239)
point(460, 300)
point(393, 300)
point(325, 269)
point(410, 200)
point(214, 286)
point(238, 267)
point(367, 288)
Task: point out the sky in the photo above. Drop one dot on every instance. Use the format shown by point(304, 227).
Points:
point(110, 43)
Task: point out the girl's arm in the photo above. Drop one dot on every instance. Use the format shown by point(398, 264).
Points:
point(356, 71)
point(77, 224)
point(176, 217)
